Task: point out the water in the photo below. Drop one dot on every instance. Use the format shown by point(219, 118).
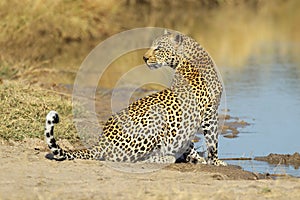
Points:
point(263, 167)
point(265, 93)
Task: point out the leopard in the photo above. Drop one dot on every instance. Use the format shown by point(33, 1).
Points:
point(160, 127)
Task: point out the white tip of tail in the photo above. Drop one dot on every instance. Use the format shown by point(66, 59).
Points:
point(52, 117)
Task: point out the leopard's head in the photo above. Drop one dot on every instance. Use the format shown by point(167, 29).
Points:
point(166, 50)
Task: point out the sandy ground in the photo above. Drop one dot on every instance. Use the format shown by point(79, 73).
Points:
point(25, 173)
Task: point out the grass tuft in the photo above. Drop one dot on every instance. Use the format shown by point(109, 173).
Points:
point(24, 108)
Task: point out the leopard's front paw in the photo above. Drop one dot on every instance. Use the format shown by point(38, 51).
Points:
point(217, 162)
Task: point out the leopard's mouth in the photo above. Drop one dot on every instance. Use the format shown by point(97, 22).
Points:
point(153, 65)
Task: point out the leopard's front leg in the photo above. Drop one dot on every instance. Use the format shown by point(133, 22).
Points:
point(210, 130)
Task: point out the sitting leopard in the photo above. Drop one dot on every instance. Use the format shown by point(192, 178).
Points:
point(160, 127)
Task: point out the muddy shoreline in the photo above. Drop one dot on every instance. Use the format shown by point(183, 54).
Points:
point(281, 159)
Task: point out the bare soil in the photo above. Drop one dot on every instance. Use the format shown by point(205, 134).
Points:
point(26, 173)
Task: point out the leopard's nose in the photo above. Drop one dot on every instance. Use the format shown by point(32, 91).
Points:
point(145, 58)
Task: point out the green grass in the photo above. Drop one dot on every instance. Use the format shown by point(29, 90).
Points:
point(7, 72)
point(266, 190)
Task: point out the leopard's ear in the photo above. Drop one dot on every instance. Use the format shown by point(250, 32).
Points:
point(178, 39)
point(166, 32)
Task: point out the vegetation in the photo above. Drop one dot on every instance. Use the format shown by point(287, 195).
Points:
point(44, 42)
point(23, 110)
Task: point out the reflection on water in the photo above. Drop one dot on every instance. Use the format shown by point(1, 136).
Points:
point(232, 34)
point(263, 167)
point(266, 93)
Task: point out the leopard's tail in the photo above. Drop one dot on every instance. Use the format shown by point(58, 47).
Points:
point(51, 119)
point(58, 153)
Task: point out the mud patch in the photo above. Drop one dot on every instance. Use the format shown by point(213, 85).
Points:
point(231, 126)
point(278, 159)
point(230, 172)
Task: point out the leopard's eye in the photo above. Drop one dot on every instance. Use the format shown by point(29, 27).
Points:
point(157, 48)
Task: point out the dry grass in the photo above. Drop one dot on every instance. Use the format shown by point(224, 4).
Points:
point(41, 34)
point(39, 37)
point(23, 110)
point(59, 34)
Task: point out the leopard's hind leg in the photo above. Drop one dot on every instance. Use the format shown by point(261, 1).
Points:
point(161, 159)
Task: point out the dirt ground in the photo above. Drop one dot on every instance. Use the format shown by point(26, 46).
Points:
point(25, 173)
